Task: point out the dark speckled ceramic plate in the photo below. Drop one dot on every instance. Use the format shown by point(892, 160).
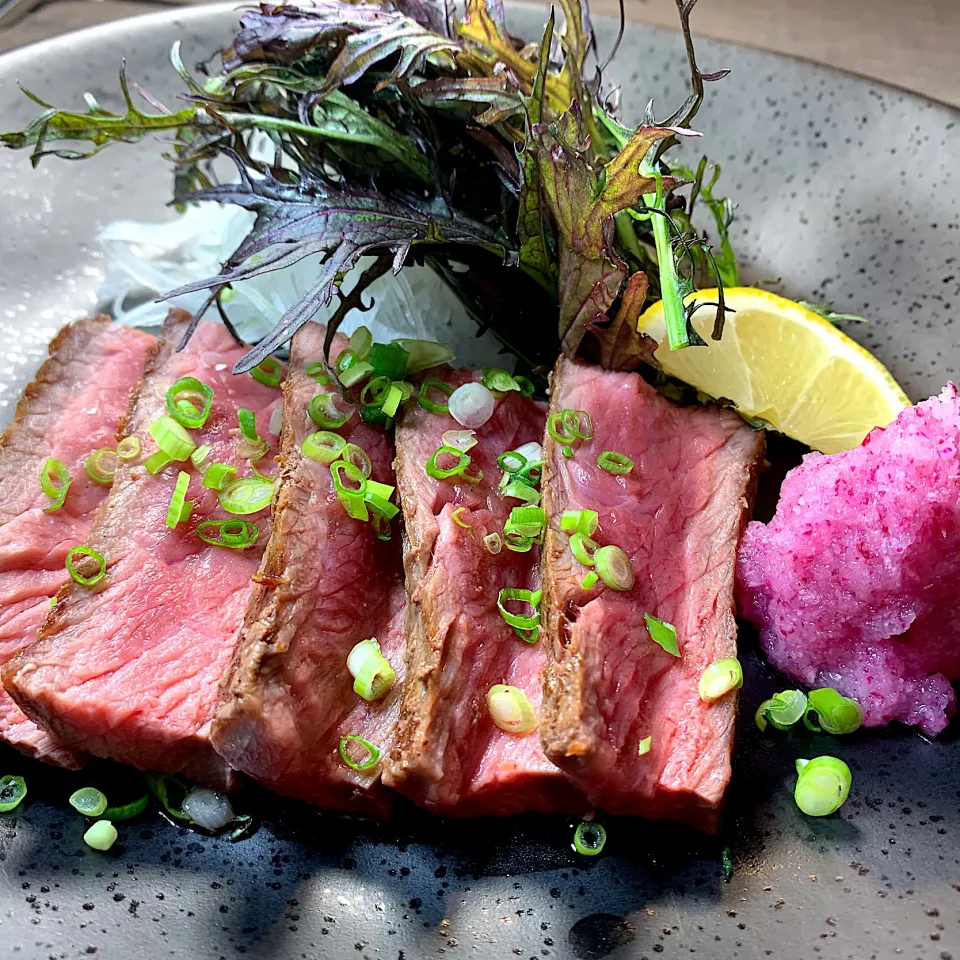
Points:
point(848, 191)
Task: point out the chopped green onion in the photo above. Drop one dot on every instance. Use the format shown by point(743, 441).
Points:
point(720, 678)
point(514, 540)
point(381, 527)
point(457, 514)
point(389, 360)
point(12, 791)
point(355, 373)
point(319, 373)
point(373, 676)
point(590, 580)
point(379, 503)
point(526, 385)
point(644, 747)
point(493, 543)
point(662, 633)
point(837, 714)
point(269, 372)
point(218, 475)
point(101, 465)
point(89, 801)
point(518, 490)
point(522, 621)
point(323, 446)
point(461, 439)
point(376, 391)
point(530, 472)
point(393, 400)
point(127, 811)
point(589, 839)
point(372, 753)
point(529, 521)
point(182, 407)
point(345, 360)
point(823, 785)
point(782, 710)
point(434, 470)
point(101, 836)
point(580, 521)
point(614, 568)
point(511, 710)
point(361, 340)
point(200, 456)
point(352, 498)
point(157, 462)
point(511, 461)
point(496, 379)
point(172, 439)
point(85, 551)
point(53, 602)
point(358, 457)
point(614, 462)
point(235, 534)
point(246, 495)
point(584, 549)
point(55, 482)
point(162, 786)
point(557, 430)
point(424, 399)
point(578, 423)
point(248, 424)
point(129, 448)
point(324, 413)
point(567, 452)
point(180, 508)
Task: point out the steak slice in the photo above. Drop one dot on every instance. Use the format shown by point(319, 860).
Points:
point(129, 668)
point(325, 584)
point(678, 514)
point(448, 754)
point(75, 405)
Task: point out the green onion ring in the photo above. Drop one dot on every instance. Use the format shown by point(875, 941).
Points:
point(577, 423)
point(246, 495)
point(782, 710)
point(234, 534)
point(54, 482)
point(89, 801)
point(393, 400)
point(180, 508)
point(172, 438)
point(129, 448)
point(719, 679)
point(375, 391)
point(269, 372)
point(457, 514)
point(81, 550)
point(556, 429)
point(837, 714)
point(521, 491)
point(323, 446)
point(218, 475)
point(584, 549)
point(323, 412)
point(493, 543)
point(127, 811)
point(101, 836)
point(101, 465)
point(12, 792)
point(823, 785)
point(361, 340)
point(424, 400)
point(355, 373)
point(373, 752)
point(358, 457)
point(590, 580)
point(644, 746)
point(520, 620)
point(511, 710)
point(157, 462)
point(180, 403)
point(434, 470)
point(614, 568)
point(589, 839)
point(614, 462)
point(508, 458)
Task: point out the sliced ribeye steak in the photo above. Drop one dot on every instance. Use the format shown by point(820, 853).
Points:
point(129, 668)
point(449, 755)
point(326, 583)
point(678, 515)
point(76, 405)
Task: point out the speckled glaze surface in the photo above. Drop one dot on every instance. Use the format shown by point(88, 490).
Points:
point(848, 192)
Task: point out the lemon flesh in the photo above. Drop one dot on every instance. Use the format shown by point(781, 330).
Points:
point(780, 362)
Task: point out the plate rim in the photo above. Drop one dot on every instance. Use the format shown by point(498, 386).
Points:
point(12, 59)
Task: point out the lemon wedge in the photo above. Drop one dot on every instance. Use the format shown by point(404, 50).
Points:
point(780, 362)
